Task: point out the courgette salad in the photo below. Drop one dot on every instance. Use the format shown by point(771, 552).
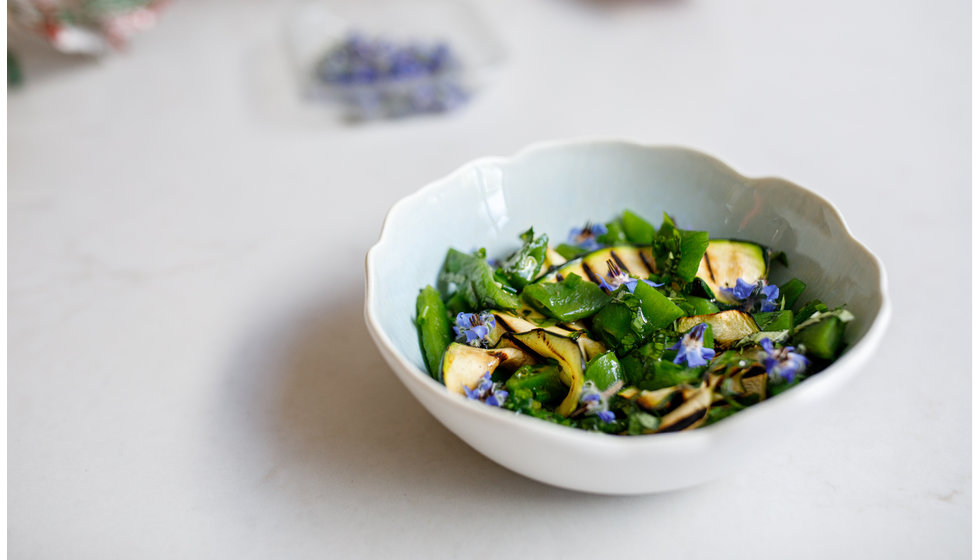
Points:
point(625, 328)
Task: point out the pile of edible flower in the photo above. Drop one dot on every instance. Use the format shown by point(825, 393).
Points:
point(375, 78)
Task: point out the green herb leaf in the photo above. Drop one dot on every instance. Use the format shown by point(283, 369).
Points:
point(777, 337)
point(615, 235)
point(523, 266)
point(471, 279)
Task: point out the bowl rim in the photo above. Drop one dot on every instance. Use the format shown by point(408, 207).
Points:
point(703, 436)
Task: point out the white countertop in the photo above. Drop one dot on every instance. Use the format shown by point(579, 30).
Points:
point(189, 374)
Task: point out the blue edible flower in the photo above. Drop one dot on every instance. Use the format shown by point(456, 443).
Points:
point(487, 391)
point(474, 328)
point(750, 295)
point(596, 402)
point(619, 278)
point(781, 362)
point(742, 290)
point(771, 294)
point(586, 237)
point(690, 348)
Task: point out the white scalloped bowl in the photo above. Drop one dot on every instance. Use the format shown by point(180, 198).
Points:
point(554, 186)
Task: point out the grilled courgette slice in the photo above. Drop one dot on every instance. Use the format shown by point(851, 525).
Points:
point(511, 323)
point(727, 260)
point(635, 261)
point(464, 365)
point(727, 327)
point(563, 350)
point(690, 414)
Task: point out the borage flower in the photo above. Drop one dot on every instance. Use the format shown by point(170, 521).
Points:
point(596, 402)
point(690, 348)
point(750, 295)
point(474, 328)
point(781, 363)
point(487, 391)
point(619, 278)
point(586, 237)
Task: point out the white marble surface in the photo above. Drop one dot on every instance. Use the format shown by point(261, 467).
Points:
point(188, 370)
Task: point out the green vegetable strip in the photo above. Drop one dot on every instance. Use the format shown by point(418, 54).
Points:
point(435, 333)
point(701, 306)
point(569, 300)
point(544, 382)
point(658, 310)
point(638, 230)
point(791, 291)
point(693, 245)
point(822, 340)
point(604, 370)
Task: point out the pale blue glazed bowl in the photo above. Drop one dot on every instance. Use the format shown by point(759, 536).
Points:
point(558, 185)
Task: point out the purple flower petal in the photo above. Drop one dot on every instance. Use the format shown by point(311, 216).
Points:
point(743, 289)
point(690, 348)
point(605, 285)
point(585, 237)
point(771, 292)
point(782, 362)
point(474, 327)
point(694, 359)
